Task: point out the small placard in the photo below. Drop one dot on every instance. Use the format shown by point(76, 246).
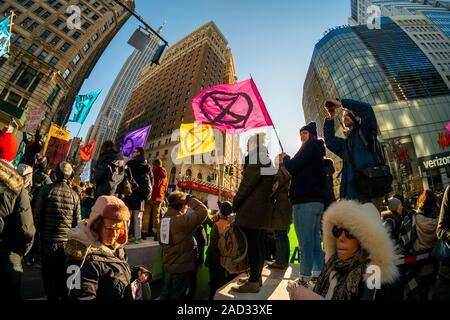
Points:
point(165, 230)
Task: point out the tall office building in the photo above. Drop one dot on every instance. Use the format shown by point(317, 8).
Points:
point(163, 99)
point(49, 60)
point(409, 94)
point(110, 115)
point(436, 10)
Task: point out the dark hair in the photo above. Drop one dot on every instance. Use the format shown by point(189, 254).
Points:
point(427, 199)
point(157, 162)
point(399, 197)
point(226, 208)
point(140, 150)
point(89, 192)
point(177, 200)
point(108, 146)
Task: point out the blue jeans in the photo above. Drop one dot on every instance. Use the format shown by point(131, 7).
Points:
point(307, 218)
point(282, 248)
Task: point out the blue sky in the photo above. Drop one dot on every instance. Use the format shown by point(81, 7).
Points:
point(273, 40)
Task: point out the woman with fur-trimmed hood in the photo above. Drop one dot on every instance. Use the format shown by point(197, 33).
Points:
point(96, 247)
point(354, 240)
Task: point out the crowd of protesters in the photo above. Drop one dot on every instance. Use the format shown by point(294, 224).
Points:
point(50, 219)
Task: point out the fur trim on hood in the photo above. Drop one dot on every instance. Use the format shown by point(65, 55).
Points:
point(364, 223)
point(80, 243)
point(10, 177)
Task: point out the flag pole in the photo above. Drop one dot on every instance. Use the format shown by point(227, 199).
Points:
point(278, 137)
point(273, 126)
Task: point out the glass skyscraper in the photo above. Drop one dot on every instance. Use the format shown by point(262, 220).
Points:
point(387, 68)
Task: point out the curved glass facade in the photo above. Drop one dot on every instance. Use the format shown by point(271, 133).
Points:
point(410, 72)
point(387, 69)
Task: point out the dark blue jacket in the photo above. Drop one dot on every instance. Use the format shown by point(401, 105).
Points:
point(360, 153)
point(308, 173)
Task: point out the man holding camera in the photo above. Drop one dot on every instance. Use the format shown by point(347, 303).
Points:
point(357, 149)
point(176, 229)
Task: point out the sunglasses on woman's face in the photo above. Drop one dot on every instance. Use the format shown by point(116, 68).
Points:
point(338, 231)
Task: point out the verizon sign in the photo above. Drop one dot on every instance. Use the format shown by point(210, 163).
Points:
point(433, 162)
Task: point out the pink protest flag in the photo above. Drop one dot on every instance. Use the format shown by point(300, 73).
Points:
point(448, 127)
point(232, 108)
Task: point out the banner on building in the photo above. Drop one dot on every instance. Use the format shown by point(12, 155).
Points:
point(83, 105)
point(57, 133)
point(87, 151)
point(5, 35)
point(232, 108)
point(57, 151)
point(133, 140)
point(34, 119)
point(196, 139)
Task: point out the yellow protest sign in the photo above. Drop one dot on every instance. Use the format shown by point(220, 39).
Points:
point(57, 133)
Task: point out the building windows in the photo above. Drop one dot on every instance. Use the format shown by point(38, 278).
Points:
point(45, 34)
point(26, 77)
point(26, 22)
point(95, 37)
point(95, 17)
point(53, 62)
point(57, 23)
point(35, 82)
point(32, 48)
point(66, 29)
point(86, 25)
point(65, 47)
point(43, 55)
point(53, 95)
point(87, 11)
point(55, 41)
point(33, 26)
point(18, 41)
point(29, 4)
point(86, 47)
point(76, 59)
point(66, 74)
point(76, 35)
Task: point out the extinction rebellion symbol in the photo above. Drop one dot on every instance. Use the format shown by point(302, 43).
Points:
point(197, 136)
point(128, 147)
point(217, 107)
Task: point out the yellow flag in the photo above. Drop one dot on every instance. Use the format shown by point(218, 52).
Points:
point(58, 133)
point(196, 139)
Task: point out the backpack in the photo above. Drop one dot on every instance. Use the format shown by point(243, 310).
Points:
point(128, 184)
point(233, 249)
point(145, 188)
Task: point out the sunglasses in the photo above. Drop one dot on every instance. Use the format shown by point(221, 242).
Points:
point(338, 231)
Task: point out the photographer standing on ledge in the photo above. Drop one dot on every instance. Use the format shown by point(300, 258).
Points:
point(357, 150)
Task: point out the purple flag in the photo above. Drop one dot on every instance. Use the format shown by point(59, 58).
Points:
point(133, 140)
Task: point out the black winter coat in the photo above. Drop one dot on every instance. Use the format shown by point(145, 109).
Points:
point(252, 202)
point(308, 173)
point(57, 209)
point(140, 170)
point(282, 214)
point(109, 173)
point(17, 228)
point(105, 274)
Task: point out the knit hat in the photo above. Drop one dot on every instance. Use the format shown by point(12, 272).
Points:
point(226, 208)
point(311, 128)
point(8, 146)
point(113, 208)
point(64, 170)
point(393, 204)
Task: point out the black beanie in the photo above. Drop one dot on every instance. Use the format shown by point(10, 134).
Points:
point(311, 128)
point(226, 208)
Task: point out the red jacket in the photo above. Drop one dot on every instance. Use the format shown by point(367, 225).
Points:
point(161, 184)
